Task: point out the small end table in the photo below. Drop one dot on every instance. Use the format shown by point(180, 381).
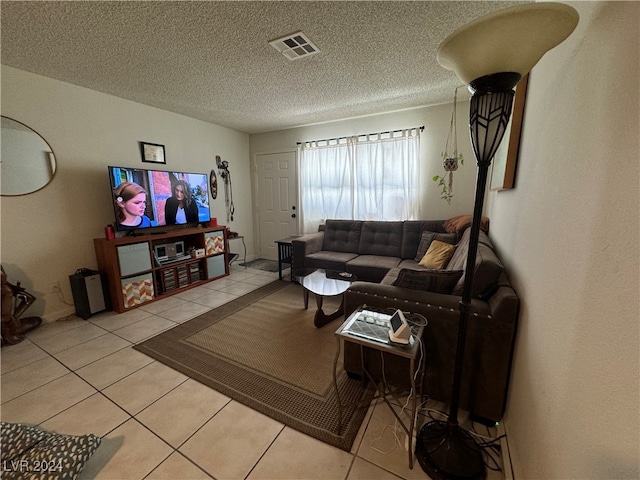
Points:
point(285, 254)
point(368, 328)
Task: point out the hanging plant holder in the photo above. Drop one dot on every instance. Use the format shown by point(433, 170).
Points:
point(450, 156)
point(450, 165)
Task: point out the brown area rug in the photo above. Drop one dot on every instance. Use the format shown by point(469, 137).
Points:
point(263, 351)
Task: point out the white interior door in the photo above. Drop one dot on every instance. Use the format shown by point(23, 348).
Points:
point(277, 200)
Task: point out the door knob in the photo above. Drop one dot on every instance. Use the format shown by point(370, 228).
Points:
point(293, 215)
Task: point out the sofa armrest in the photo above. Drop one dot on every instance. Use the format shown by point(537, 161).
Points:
point(504, 302)
point(306, 245)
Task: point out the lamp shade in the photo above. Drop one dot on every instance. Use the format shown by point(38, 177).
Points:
point(509, 40)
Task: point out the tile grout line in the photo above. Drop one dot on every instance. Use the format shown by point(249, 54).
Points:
point(265, 451)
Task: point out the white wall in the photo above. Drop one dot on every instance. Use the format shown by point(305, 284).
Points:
point(436, 120)
point(46, 236)
point(568, 234)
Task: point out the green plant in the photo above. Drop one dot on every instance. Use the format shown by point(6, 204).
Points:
point(444, 194)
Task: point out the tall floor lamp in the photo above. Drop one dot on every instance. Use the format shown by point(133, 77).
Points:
point(490, 55)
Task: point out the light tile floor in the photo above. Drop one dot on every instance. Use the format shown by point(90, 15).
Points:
point(76, 377)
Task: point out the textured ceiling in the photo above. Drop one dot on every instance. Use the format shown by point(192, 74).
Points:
point(212, 61)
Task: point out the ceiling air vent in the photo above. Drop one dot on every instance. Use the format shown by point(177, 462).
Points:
point(294, 46)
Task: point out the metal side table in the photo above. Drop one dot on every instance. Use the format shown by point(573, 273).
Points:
point(239, 237)
point(368, 328)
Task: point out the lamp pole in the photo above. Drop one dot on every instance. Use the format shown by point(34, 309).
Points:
point(445, 450)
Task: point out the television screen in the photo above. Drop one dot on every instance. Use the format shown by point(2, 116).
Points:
point(153, 198)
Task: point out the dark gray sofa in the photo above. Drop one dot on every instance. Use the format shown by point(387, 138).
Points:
point(376, 252)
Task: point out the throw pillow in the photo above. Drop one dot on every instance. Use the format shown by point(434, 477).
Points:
point(460, 223)
point(428, 237)
point(438, 255)
point(436, 281)
point(59, 456)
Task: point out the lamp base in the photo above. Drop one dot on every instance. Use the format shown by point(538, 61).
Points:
point(446, 451)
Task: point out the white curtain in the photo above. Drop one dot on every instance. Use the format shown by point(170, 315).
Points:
point(369, 177)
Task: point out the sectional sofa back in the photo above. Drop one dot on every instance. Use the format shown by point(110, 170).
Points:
point(342, 236)
point(381, 238)
point(412, 233)
point(391, 239)
point(488, 266)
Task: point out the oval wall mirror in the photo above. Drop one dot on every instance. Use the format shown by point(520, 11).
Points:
point(27, 162)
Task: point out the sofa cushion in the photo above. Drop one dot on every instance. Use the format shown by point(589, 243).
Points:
point(412, 231)
point(410, 263)
point(371, 268)
point(342, 235)
point(487, 268)
point(329, 260)
point(380, 238)
point(437, 281)
point(438, 255)
point(428, 237)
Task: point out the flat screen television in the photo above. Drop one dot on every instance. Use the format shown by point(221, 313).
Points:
point(144, 198)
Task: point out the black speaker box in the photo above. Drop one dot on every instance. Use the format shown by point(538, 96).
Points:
point(88, 289)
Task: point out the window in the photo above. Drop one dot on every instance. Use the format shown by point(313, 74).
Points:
point(369, 177)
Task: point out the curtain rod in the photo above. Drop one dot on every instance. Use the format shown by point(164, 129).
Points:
point(362, 135)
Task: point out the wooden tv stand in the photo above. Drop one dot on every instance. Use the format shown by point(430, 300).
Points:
point(137, 273)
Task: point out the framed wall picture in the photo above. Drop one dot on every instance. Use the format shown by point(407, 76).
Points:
point(505, 161)
point(152, 152)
